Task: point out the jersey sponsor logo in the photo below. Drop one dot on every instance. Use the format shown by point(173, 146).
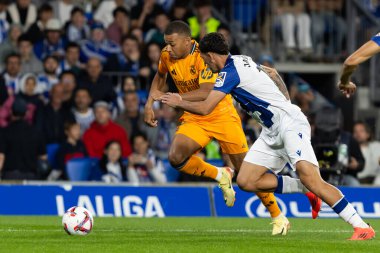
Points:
point(206, 74)
point(192, 70)
point(220, 79)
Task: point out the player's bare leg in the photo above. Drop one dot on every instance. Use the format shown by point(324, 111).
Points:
point(254, 178)
point(311, 178)
point(182, 158)
point(281, 224)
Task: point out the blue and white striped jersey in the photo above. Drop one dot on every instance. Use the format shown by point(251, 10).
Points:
point(255, 91)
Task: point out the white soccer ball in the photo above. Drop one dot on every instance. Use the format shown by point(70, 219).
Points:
point(77, 221)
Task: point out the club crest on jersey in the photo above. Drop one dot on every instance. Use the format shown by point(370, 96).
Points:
point(220, 79)
point(192, 70)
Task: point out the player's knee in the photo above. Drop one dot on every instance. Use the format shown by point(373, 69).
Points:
point(246, 184)
point(176, 158)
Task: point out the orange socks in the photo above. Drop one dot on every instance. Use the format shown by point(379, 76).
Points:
point(197, 167)
point(269, 201)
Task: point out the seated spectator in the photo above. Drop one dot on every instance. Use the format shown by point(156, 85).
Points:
point(18, 140)
point(130, 59)
point(29, 93)
point(98, 46)
point(82, 111)
point(293, 15)
point(49, 77)
point(203, 22)
point(67, 79)
point(153, 57)
point(180, 11)
point(112, 164)
point(161, 139)
point(4, 25)
point(100, 87)
point(308, 99)
point(143, 14)
point(71, 61)
point(143, 165)
point(104, 130)
point(51, 118)
point(131, 119)
point(104, 13)
point(12, 73)
point(62, 10)
point(36, 31)
point(129, 84)
point(225, 30)
point(156, 34)
point(29, 62)
point(22, 12)
point(120, 26)
point(71, 148)
point(77, 29)
point(53, 43)
point(10, 44)
point(371, 152)
point(3, 91)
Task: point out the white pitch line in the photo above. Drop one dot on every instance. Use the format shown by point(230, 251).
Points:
point(183, 230)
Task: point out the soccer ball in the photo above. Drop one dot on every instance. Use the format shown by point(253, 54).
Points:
point(77, 221)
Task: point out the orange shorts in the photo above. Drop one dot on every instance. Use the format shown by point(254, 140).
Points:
point(229, 134)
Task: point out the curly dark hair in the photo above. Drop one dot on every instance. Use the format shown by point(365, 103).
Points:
point(214, 43)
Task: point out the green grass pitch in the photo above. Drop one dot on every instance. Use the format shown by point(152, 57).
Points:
point(45, 234)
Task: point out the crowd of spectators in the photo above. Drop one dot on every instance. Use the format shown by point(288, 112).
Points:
point(77, 73)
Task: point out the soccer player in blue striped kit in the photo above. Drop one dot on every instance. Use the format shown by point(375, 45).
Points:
point(285, 136)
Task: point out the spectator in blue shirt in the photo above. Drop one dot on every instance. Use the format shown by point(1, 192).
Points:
point(53, 43)
point(98, 46)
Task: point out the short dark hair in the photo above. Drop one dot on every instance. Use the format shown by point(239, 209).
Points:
point(179, 27)
point(129, 37)
point(71, 45)
point(24, 38)
point(120, 9)
point(44, 8)
point(50, 57)
point(69, 124)
point(66, 72)
point(214, 43)
point(11, 55)
point(201, 3)
point(139, 134)
point(224, 27)
point(75, 10)
point(82, 89)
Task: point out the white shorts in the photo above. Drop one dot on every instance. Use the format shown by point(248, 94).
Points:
point(290, 144)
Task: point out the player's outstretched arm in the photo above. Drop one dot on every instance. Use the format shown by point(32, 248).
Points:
point(365, 52)
point(198, 94)
point(202, 107)
point(158, 88)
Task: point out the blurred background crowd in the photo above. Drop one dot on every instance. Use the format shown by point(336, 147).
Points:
point(75, 76)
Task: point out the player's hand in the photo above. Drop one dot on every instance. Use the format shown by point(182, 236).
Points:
point(149, 117)
point(347, 89)
point(353, 164)
point(171, 99)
